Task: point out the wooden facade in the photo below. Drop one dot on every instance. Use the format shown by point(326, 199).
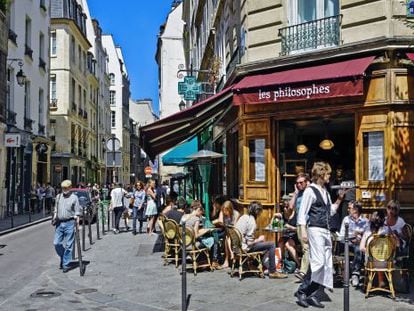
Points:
point(385, 107)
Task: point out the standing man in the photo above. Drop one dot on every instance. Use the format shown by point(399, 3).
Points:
point(315, 211)
point(117, 204)
point(49, 197)
point(66, 215)
point(302, 181)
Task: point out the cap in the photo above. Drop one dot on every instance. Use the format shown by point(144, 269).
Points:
point(66, 184)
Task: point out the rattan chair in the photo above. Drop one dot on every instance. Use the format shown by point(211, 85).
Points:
point(381, 255)
point(244, 259)
point(172, 245)
point(195, 249)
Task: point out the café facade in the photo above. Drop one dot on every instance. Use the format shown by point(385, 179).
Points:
point(350, 106)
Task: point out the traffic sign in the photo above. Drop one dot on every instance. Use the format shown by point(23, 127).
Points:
point(148, 170)
point(113, 144)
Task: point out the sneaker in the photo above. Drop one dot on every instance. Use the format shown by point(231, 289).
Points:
point(355, 280)
point(116, 231)
point(277, 275)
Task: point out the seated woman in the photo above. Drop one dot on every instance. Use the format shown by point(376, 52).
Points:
point(228, 217)
point(395, 225)
point(376, 226)
point(193, 220)
point(247, 227)
point(289, 239)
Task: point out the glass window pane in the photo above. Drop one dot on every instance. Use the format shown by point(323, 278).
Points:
point(373, 156)
point(257, 149)
point(306, 10)
point(331, 7)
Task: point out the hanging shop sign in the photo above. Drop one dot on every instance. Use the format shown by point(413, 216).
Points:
point(12, 140)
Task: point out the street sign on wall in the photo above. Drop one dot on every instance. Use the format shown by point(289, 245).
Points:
point(114, 159)
point(12, 140)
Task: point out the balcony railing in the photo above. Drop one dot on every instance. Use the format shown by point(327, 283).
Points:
point(13, 36)
point(80, 112)
point(28, 124)
point(42, 64)
point(28, 51)
point(53, 104)
point(320, 33)
point(11, 117)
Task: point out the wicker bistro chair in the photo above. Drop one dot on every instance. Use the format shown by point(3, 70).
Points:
point(381, 255)
point(195, 249)
point(172, 245)
point(242, 257)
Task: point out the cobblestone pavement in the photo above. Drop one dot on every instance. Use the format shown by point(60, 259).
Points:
point(124, 274)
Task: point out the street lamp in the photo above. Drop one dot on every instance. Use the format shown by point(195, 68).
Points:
point(20, 76)
point(181, 105)
point(204, 159)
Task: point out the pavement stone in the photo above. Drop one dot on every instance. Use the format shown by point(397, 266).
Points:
point(127, 275)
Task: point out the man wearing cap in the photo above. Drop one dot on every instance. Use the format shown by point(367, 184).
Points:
point(66, 216)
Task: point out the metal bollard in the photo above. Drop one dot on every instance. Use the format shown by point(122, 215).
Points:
point(90, 227)
point(43, 207)
point(109, 214)
point(103, 219)
point(83, 229)
point(184, 270)
point(97, 225)
point(81, 266)
point(12, 214)
point(346, 272)
point(74, 248)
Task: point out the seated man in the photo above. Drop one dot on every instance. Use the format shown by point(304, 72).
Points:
point(247, 227)
point(357, 226)
point(202, 234)
point(171, 211)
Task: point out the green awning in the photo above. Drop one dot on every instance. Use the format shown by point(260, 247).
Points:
point(178, 155)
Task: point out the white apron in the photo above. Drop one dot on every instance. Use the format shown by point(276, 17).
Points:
point(320, 256)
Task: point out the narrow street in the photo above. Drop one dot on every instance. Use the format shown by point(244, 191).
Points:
point(125, 274)
point(24, 258)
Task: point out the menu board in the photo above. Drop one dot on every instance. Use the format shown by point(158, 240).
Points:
point(257, 159)
point(375, 156)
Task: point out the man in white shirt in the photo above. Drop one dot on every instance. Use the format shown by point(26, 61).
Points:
point(314, 215)
point(117, 204)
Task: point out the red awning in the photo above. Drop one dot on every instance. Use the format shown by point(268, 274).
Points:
point(410, 56)
point(166, 133)
point(316, 82)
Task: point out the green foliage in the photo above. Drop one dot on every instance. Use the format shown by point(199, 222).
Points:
point(4, 4)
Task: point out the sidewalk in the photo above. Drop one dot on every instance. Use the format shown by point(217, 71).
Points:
point(21, 220)
point(124, 274)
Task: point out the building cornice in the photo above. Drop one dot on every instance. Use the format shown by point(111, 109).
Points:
point(75, 29)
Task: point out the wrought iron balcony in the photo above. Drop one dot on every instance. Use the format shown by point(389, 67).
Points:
point(28, 51)
point(320, 33)
point(11, 117)
point(13, 37)
point(41, 130)
point(42, 64)
point(80, 112)
point(53, 104)
point(28, 124)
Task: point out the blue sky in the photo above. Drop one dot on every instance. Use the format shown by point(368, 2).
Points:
point(135, 25)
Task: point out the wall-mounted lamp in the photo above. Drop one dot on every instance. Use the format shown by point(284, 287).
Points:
point(20, 76)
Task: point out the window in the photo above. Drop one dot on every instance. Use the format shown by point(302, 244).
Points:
point(112, 78)
point(43, 5)
point(27, 99)
point(112, 97)
point(79, 57)
point(73, 91)
point(53, 43)
point(257, 159)
point(73, 50)
point(302, 11)
point(28, 32)
point(41, 107)
point(113, 123)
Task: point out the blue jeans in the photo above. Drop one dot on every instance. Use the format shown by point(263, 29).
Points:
point(64, 232)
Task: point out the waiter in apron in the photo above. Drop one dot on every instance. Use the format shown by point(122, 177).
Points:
point(314, 214)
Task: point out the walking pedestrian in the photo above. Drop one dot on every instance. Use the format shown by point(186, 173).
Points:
point(315, 211)
point(117, 204)
point(152, 210)
point(49, 197)
point(66, 217)
point(138, 208)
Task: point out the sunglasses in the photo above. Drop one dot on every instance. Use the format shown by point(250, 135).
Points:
point(300, 182)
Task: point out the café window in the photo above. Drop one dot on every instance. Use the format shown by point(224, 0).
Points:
point(373, 156)
point(257, 160)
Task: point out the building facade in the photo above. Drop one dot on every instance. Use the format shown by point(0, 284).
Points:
point(3, 97)
point(27, 113)
point(70, 77)
point(302, 81)
point(170, 59)
point(119, 95)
